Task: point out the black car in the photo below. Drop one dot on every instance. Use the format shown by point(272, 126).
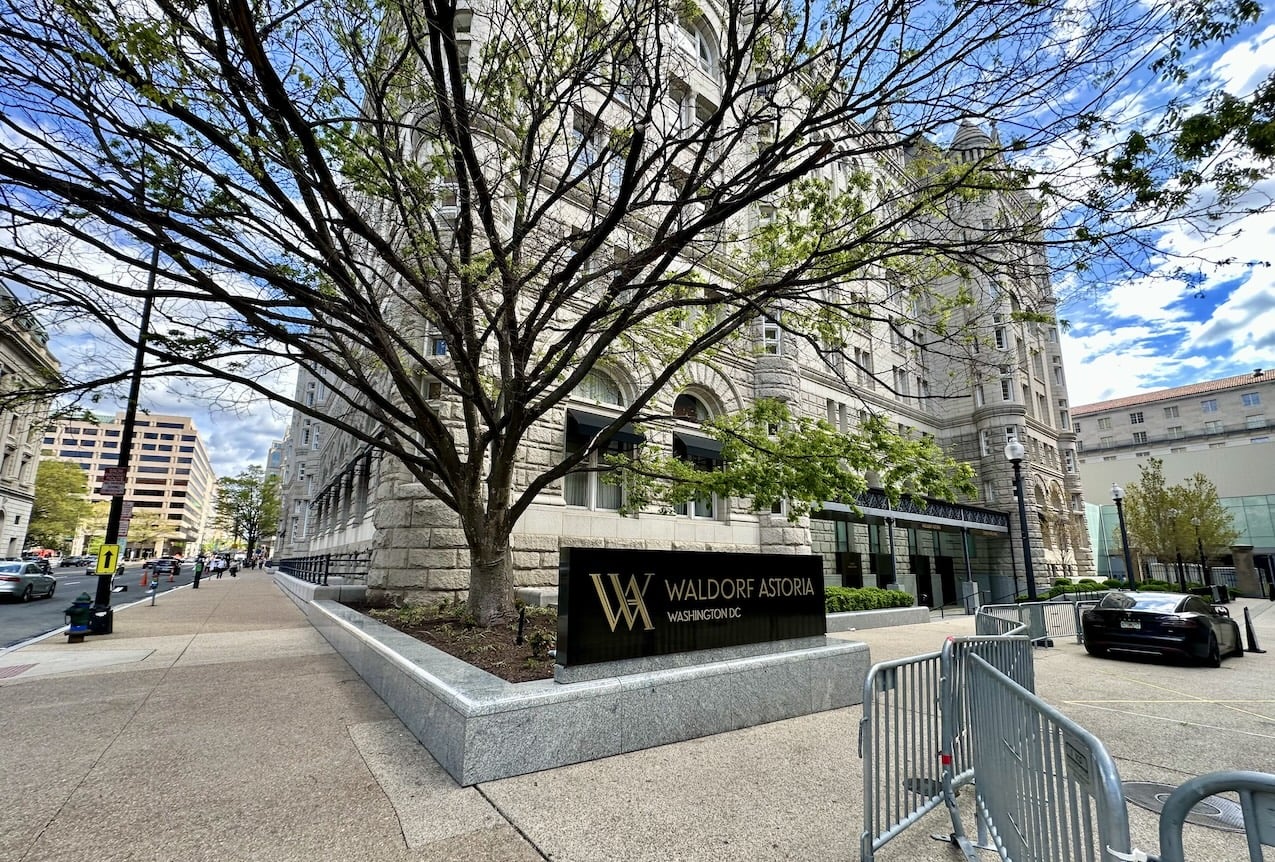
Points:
point(163, 566)
point(1167, 624)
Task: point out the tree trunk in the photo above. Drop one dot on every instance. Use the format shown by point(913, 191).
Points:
point(491, 580)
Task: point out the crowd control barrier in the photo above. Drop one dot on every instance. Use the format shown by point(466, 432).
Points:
point(1046, 620)
point(914, 734)
point(934, 723)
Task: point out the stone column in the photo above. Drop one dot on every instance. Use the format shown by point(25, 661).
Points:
point(1246, 570)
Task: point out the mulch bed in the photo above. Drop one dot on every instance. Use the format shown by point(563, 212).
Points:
point(494, 649)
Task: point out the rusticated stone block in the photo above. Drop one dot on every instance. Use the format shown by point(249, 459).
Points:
point(399, 579)
point(431, 558)
point(449, 579)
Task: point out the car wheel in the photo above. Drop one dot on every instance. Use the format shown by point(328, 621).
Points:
point(1095, 650)
point(1214, 656)
point(26, 594)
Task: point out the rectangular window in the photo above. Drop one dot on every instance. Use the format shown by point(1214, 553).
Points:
point(1216, 445)
point(1104, 424)
point(1176, 449)
point(1251, 399)
point(984, 443)
point(1139, 436)
point(1212, 427)
point(1107, 442)
point(1171, 412)
point(989, 491)
point(1135, 418)
point(1143, 454)
point(770, 337)
point(1251, 422)
point(437, 346)
point(1175, 432)
point(1011, 433)
point(1001, 342)
point(1209, 406)
point(1007, 389)
point(979, 398)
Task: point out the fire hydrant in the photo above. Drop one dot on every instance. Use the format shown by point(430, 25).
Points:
point(78, 615)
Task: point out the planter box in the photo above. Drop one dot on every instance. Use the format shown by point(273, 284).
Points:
point(481, 728)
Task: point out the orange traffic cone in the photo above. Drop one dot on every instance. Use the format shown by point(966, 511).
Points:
point(143, 578)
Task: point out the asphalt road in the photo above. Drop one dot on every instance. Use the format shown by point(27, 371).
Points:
point(20, 621)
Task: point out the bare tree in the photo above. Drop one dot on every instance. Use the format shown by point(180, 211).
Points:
point(544, 186)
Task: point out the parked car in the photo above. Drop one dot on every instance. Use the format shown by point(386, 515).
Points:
point(23, 580)
point(1168, 624)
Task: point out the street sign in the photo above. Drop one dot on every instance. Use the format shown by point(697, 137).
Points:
point(126, 511)
point(113, 479)
point(107, 559)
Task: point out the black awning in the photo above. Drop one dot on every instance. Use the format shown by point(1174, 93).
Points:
point(698, 447)
point(583, 426)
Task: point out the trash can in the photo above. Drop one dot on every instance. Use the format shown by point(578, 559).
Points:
point(1218, 594)
point(102, 621)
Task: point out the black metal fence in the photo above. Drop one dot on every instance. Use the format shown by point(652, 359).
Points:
point(318, 568)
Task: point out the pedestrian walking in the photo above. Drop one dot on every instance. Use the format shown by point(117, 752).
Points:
point(218, 566)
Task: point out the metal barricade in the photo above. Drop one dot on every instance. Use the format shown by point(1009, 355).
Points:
point(914, 733)
point(1013, 656)
point(1056, 794)
point(899, 741)
point(1080, 608)
point(997, 620)
point(1046, 620)
point(1257, 802)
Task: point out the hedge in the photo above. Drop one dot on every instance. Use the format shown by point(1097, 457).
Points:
point(842, 599)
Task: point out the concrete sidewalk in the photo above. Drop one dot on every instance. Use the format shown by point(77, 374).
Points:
point(219, 725)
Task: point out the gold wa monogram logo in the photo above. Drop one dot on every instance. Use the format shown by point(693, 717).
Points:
point(629, 602)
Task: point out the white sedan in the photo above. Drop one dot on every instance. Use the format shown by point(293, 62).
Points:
point(23, 580)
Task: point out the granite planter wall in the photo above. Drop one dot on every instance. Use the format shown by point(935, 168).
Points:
point(481, 728)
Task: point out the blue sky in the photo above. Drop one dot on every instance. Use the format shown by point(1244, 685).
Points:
point(1150, 333)
point(1130, 336)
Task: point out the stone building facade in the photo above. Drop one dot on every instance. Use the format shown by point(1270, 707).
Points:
point(25, 364)
point(1006, 380)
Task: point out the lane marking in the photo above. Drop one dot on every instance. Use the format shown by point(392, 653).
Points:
point(1182, 723)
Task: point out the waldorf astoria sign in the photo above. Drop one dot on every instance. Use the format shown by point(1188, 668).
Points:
point(615, 604)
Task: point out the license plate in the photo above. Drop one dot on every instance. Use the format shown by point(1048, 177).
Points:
point(1130, 624)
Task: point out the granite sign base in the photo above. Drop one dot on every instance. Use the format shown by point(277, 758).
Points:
point(481, 728)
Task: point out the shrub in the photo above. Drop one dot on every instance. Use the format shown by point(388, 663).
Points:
point(1113, 584)
point(844, 599)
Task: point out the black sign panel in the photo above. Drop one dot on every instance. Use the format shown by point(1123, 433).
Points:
point(615, 604)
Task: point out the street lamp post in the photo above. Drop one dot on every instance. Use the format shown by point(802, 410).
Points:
point(1014, 453)
point(1177, 549)
point(1117, 494)
point(1199, 547)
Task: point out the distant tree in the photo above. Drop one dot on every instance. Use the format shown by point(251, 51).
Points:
point(248, 506)
point(1160, 516)
point(61, 503)
point(94, 525)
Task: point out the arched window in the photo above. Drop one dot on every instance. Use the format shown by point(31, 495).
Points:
point(584, 486)
point(701, 42)
point(597, 386)
point(688, 407)
point(702, 452)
